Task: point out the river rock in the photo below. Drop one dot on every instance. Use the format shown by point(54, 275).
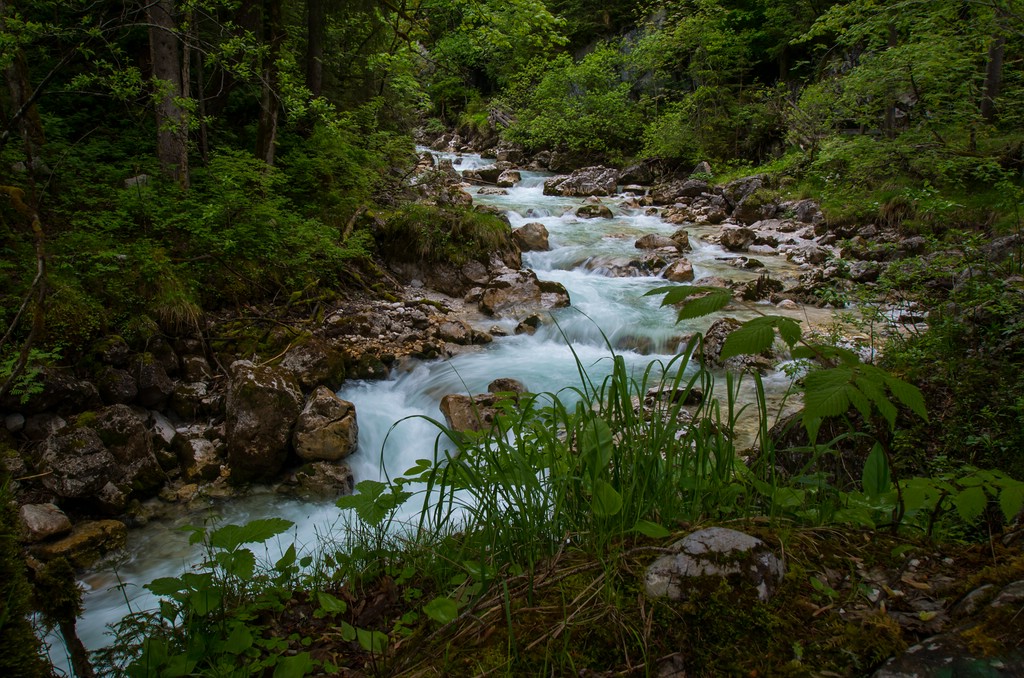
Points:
point(595, 210)
point(509, 178)
point(76, 463)
point(324, 479)
point(112, 350)
point(200, 459)
point(680, 270)
point(155, 386)
point(736, 238)
point(59, 392)
point(315, 362)
point(515, 292)
point(42, 426)
point(715, 553)
point(326, 429)
point(678, 191)
point(506, 385)
point(475, 413)
point(653, 241)
point(714, 338)
point(89, 541)
point(124, 432)
point(682, 239)
point(42, 521)
point(584, 182)
point(116, 385)
point(626, 267)
point(532, 237)
point(491, 190)
point(262, 405)
point(456, 332)
point(195, 400)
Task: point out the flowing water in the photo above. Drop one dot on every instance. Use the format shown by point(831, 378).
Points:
point(605, 310)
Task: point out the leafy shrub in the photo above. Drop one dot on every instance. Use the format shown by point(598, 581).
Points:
point(425, 234)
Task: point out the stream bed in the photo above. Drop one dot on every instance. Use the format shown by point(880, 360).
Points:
point(604, 311)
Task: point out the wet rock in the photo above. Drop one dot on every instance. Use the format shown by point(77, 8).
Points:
point(479, 412)
point(714, 338)
point(653, 241)
point(326, 429)
point(716, 553)
point(736, 238)
point(680, 270)
point(676, 191)
point(626, 267)
point(532, 237)
point(324, 479)
point(506, 385)
point(682, 239)
point(42, 521)
point(89, 541)
point(594, 211)
point(491, 190)
point(949, 654)
point(515, 292)
point(112, 350)
point(645, 172)
point(735, 191)
point(509, 178)
point(262, 406)
point(529, 325)
point(76, 463)
point(315, 362)
point(584, 182)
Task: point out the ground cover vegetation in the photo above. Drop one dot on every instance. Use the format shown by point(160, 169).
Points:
point(165, 161)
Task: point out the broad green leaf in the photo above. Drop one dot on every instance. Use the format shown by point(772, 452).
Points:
point(607, 501)
point(706, 305)
point(650, 529)
point(330, 604)
point(240, 563)
point(789, 330)
point(754, 336)
point(294, 667)
point(372, 641)
point(231, 537)
point(970, 503)
point(1011, 500)
point(287, 559)
point(909, 395)
point(876, 479)
point(205, 602)
point(166, 586)
point(826, 392)
point(239, 640)
point(348, 632)
point(442, 609)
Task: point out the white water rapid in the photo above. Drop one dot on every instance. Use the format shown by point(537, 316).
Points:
point(602, 307)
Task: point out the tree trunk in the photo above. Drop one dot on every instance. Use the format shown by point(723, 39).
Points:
point(270, 103)
point(316, 20)
point(171, 120)
point(993, 78)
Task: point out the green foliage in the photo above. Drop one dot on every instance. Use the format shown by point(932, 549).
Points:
point(20, 651)
point(425, 234)
point(580, 106)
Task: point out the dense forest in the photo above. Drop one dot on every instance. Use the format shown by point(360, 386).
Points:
point(212, 171)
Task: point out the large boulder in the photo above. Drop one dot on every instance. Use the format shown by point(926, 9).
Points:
point(594, 210)
point(155, 385)
point(518, 292)
point(715, 553)
point(674, 191)
point(324, 479)
point(59, 391)
point(76, 463)
point(509, 178)
point(326, 430)
point(532, 237)
point(315, 362)
point(126, 436)
point(116, 385)
point(584, 182)
point(262, 405)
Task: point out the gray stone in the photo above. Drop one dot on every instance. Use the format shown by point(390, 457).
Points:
point(509, 178)
point(680, 270)
point(584, 182)
point(506, 385)
point(263, 403)
point(76, 462)
point(326, 429)
point(736, 238)
point(532, 237)
point(594, 211)
point(715, 552)
point(42, 521)
point(14, 422)
point(653, 241)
